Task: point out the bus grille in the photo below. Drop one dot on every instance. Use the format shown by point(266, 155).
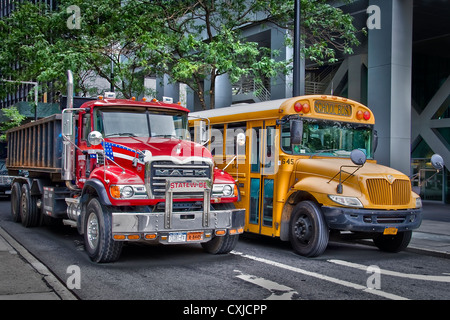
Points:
point(160, 171)
point(381, 192)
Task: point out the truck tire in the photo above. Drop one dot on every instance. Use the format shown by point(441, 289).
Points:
point(15, 201)
point(29, 212)
point(98, 240)
point(393, 243)
point(308, 231)
point(221, 244)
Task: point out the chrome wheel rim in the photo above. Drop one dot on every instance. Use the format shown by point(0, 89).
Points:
point(92, 231)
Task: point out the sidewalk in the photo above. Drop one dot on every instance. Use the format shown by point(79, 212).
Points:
point(23, 277)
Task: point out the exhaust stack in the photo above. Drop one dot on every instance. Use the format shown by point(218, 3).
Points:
point(68, 155)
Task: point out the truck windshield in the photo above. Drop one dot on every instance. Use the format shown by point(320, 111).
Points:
point(140, 123)
point(329, 138)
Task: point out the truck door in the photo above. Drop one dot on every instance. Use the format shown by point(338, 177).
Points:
point(263, 169)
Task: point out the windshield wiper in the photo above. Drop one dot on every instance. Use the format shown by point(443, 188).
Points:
point(121, 134)
point(326, 150)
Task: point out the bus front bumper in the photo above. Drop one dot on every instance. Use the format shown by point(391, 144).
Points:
point(367, 220)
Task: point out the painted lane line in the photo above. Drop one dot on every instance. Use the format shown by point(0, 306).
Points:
point(393, 273)
point(278, 291)
point(321, 277)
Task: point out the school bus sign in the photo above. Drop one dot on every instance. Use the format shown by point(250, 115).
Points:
point(333, 108)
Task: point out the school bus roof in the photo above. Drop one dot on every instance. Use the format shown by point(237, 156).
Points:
point(329, 107)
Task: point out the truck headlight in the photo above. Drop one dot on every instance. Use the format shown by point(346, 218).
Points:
point(346, 201)
point(128, 192)
point(224, 190)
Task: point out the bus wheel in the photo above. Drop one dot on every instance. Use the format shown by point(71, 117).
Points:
point(222, 244)
point(308, 232)
point(15, 201)
point(98, 240)
point(29, 212)
point(393, 243)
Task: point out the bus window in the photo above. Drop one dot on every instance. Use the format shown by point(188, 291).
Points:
point(268, 202)
point(217, 143)
point(233, 129)
point(255, 149)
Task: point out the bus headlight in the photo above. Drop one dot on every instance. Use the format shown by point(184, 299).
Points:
point(418, 203)
point(346, 201)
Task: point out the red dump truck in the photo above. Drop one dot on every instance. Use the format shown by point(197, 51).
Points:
point(122, 170)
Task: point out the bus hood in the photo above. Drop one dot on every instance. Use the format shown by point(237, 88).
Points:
point(322, 176)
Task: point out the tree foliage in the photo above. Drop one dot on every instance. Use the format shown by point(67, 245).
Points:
point(191, 41)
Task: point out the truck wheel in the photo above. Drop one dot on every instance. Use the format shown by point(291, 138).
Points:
point(393, 243)
point(222, 244)
point(29, 212)
point(98, 240)
point(15, 201)
point(308, 232)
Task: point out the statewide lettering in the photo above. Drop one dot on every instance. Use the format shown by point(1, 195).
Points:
point(188, 185)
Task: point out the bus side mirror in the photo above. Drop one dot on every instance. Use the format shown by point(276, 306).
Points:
point(200, 132)
point(437, 162)
point(296, 131)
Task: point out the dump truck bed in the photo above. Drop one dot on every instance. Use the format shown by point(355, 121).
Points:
point(36, 147)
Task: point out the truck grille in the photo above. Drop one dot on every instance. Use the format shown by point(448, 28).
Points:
point(160, 171)
point(381, 192)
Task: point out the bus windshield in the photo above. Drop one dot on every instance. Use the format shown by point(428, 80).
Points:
point(140, 123)
point(329, 138)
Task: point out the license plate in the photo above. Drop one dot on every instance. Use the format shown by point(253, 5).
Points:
point(177, 237)
point(390, 231)
point(194, 236)
point(185, 236)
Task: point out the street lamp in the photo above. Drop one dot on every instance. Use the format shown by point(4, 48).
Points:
point(35, 92)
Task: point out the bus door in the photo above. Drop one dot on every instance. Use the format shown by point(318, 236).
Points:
point(263, 151)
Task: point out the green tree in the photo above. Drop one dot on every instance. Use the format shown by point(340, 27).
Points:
point(14, 119)
point(190, 41)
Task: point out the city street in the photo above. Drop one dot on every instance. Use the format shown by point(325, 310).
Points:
point(259, 268)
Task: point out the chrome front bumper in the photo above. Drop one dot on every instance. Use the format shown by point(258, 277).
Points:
point(152, 226)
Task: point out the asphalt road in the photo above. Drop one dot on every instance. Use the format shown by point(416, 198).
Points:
point(259, 268)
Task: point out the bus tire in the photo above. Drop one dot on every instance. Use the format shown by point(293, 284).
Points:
point(15, 201)
point(393, 243)
point(223, 244)
point(29, 212)
point(98, 240)
point(308, 231)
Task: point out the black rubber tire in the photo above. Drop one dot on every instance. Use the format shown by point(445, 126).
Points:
point(29, 212)
point(393, 243)
point(221, 244)
point(98, 240)
point(308, 231)
point(15, 201)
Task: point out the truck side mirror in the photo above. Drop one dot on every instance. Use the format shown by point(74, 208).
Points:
point(95, 138)
point(200, 132)
point(296, 131)
point(375, 140)
point(67, 124)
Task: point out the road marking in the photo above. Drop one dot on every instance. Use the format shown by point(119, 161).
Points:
point(321, 277)
point(393, 273)
point(278, 291)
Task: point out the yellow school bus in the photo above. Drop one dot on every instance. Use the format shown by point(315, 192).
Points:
point(305, 168)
